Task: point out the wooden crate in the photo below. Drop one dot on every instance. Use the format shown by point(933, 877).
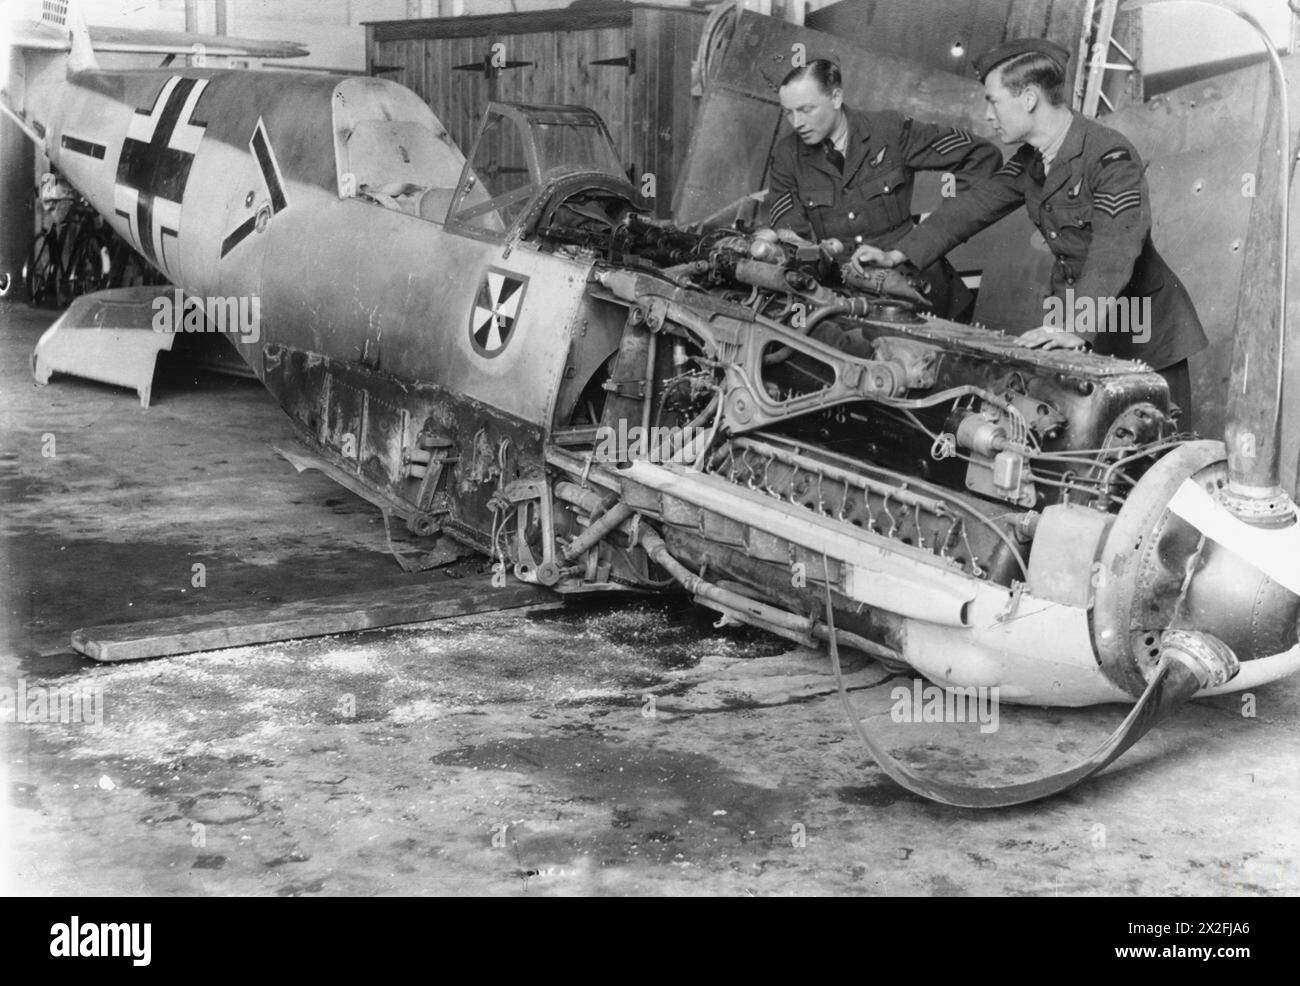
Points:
point(631, 63)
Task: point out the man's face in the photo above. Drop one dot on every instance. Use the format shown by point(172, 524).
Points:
point(1009, 114)
point(811, 112)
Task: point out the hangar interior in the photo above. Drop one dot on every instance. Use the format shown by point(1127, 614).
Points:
point(352, 605)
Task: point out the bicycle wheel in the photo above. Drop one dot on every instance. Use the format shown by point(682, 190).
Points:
point(86, 270)
point(129, 269)
point(40, 272)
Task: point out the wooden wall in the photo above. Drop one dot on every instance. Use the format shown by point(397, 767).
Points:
point(642, 91)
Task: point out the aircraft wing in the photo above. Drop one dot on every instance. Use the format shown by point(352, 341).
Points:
point(48, 37)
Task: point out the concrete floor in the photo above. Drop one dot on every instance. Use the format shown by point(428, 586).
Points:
point(516, 753)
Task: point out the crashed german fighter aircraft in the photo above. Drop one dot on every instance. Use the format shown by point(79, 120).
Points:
point(510, 352)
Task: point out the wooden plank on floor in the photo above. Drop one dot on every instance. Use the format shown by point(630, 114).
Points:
point(308, 618)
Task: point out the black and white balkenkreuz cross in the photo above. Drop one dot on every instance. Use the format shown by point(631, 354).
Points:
point(496, 311)
point(161, 141)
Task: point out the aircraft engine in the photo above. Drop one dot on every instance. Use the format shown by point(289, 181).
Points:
point(1046, 476)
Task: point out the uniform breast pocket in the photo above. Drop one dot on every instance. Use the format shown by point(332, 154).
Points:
point(885, 198)
point(818, 198)
point(1074, 218)
point(1075, 224)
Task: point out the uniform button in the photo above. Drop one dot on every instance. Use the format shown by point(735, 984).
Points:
point(886, 188)
point(857, 239)
point(1069, 280)
point(1052, 235)
point(1048, 208)
point(853, 215)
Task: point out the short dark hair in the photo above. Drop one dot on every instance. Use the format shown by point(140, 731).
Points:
point(1034, 68)
point(822, 70)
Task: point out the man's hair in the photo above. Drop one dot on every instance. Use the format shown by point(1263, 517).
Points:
point(822, 70)
point(1033, 69)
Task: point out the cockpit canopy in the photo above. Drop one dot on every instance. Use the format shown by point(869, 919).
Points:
point(391, 150)
point(520, 150)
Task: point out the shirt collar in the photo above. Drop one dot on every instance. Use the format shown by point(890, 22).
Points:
point(1052, 149)
point(839, 137)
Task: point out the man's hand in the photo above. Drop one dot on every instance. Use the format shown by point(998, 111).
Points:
point(876, 257)
point(1050, 337)
point(791, 238)
point(832, 248)
point(766, 247)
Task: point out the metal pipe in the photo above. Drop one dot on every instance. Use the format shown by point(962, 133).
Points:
point(22, 125)
point(1253, 432)
point(590, 502)
point(797, 628)
point(648, 396)
point(621, 511)
point(840, 307)
point(681, 273)
point(770, 277)
point(597, 532)
point(587, 500)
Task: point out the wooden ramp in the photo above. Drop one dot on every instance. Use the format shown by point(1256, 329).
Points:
point(309, 618)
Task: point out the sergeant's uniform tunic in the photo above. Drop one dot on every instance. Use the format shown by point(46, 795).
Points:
point(1094, 211)
point(871, 202)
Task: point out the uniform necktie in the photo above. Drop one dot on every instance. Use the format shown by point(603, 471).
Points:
point(1037, 170)
point(835, 157)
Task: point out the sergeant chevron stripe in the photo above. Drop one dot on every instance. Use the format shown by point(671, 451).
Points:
point(1012, 169)
point(952, 141)
point(1114, 204)
point(782, 205)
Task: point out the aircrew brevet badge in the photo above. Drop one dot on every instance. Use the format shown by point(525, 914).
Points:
point(495, 315)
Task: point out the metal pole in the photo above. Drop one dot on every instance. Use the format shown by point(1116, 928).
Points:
point(1253, 432)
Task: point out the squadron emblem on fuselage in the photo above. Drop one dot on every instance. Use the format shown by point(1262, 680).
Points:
point(496, 311)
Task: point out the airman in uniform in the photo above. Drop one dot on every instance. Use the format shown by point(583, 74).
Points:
point(1083, 187)
point(844, 177)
